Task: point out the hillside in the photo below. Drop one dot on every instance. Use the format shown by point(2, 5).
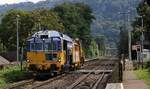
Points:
point(105, 11)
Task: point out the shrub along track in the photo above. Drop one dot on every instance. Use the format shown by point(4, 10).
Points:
point(88, 77)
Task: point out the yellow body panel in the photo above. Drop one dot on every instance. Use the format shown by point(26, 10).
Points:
point(35, 57)
point(41, 62)
point(62, 57)
point(39, 59)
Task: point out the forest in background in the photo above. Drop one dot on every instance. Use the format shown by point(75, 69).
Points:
point(73, 19)
point(105, 11)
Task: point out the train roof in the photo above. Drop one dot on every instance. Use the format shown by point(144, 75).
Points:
point(50, 33)
point(46, 32)
point(67, 38)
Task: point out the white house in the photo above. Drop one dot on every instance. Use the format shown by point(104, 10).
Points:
point(146, 53)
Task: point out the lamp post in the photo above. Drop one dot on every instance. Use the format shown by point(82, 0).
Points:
point(39, 24)
point(17, 19)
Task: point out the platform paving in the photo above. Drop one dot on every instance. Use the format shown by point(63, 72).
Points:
point(130, 81)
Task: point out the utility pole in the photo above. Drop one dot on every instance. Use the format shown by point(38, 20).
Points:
point(17, 18)
point(1, 16)
point(39, 24)
point(142, 39)
point(129, 39)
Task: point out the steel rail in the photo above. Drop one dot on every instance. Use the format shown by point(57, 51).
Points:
point(98, 81)
point(48, 81)
point(80, 79)
point(18, 84)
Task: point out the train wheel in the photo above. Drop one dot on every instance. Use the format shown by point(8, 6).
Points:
point(38, 76)
point(55, 73)
point(82, 61)
point(62, 69)
point(52, 74)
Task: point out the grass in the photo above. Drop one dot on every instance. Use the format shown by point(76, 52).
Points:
point(11, 74)
point(143, 75)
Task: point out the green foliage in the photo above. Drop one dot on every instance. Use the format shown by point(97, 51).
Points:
point(12, 74)
point(46, 18)
point(94, 52)
point(143, 74)
point(100, 40)
point(123, 42)
point(8, 27)
point(29, 22)
point(76, 18)
point(144, 11)
point(105, 11)
point(96, 47)
point(73, 19)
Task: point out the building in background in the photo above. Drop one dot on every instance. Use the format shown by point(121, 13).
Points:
point(146, 54)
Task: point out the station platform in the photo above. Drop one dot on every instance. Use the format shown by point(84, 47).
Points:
point(114, 86)
point(130, 81)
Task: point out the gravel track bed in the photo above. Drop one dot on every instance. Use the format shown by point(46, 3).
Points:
point(69, 79)
point(88, 82)
point(61, 83)
point(65, 81)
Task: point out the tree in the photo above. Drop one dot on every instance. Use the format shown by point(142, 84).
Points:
point(8, 28)
point(29, 22)
point(100, 41)
point(143, 11)
point(73, 19)
point(123, 42)
point(46, 18)
point(77, 19)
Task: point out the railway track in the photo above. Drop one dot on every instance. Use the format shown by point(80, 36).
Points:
point(19, 84)
point(81, 82)
point(95, 78)
point(32, 84)
point(92, 76)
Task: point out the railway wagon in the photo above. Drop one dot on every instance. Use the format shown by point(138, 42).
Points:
point(51, 52)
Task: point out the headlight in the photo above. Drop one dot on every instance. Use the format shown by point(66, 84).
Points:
point(59, 60)
point(28, 60)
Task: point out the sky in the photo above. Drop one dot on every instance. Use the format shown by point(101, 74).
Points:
point(2, 2)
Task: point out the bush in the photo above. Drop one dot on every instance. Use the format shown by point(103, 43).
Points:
point(143, 74)
point(147, 64)
point(12, 74)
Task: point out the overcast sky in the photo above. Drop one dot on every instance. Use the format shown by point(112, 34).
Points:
point(16, 1)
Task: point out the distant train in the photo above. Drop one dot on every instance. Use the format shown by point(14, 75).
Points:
point(53, 52)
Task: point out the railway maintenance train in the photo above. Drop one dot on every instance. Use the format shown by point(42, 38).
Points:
point(50, 51)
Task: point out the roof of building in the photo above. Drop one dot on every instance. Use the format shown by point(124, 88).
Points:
point(146, 50)
point(3, 61)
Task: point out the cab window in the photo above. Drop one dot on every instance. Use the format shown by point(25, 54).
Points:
point(36, 46)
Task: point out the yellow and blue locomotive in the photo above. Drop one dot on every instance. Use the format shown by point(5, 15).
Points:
point(52, 52)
